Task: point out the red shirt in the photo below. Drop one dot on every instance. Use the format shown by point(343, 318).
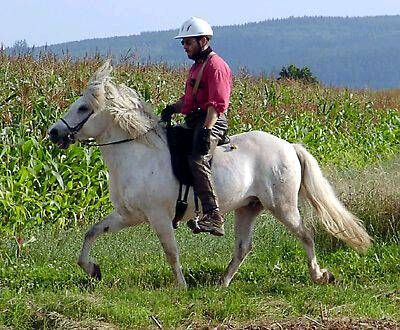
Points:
point(214, 88)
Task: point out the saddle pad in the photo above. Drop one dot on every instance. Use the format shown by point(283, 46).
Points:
point(180, 146)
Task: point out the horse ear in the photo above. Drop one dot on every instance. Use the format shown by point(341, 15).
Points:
point(102, 73)
point(98, 81)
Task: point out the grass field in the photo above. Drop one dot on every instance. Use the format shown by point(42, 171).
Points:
point(49, 197)
point(45, 288)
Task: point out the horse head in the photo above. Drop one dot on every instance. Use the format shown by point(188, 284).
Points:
point(85, 118)
point(103, 106)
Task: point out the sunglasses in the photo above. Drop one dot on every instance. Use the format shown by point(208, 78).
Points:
point(186, 42)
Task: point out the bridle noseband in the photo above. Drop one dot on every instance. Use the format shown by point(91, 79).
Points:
point(75, 129)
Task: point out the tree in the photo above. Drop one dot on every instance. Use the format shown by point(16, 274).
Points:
point(21, 47)
point(295, 73)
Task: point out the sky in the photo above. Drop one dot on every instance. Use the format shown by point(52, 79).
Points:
point(41, 22)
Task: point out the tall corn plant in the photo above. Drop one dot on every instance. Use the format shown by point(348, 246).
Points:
point(41, 184)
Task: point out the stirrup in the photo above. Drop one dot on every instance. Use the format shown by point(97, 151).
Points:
point(213, 230)
point(181, 205)
point(193, 224)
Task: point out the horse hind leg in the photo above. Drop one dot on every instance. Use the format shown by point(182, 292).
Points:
point(111, 223)
point(244, 224)
point(290, 217)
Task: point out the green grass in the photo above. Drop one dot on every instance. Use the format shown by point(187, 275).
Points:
point(45, 287)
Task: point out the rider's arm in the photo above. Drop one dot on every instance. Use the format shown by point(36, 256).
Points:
point(211, 118)
point(219, 88)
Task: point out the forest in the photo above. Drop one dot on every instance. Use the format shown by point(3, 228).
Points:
point(354, 52)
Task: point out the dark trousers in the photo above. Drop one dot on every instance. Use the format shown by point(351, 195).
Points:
point(200, 164)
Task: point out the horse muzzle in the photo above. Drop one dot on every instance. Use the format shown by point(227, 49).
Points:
point(61, 138)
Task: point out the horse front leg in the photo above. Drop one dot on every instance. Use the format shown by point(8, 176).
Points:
point(162, 225)
point(111, 223)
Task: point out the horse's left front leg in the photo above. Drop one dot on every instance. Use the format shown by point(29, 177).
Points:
point(111, 223)
point(165, 232)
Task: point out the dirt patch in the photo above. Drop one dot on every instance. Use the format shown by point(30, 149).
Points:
point(342, 324)
point(54, 320)
point(308, 323)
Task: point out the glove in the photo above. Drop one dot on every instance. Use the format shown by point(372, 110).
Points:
point(166, 113)
point(204, 141)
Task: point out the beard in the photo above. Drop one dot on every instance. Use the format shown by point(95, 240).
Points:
point(194, 55)
point(200, 54)
point(196, 52)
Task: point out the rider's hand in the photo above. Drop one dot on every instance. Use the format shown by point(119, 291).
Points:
point(166, 113)
point(204, 141)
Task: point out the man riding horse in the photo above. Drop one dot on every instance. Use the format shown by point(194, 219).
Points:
point(205, 104)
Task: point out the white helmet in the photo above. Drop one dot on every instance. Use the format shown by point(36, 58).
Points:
point(195, 27)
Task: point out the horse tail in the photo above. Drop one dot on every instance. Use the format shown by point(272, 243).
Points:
point(336, 219)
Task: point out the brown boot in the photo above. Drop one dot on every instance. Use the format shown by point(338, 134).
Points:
point(213, 223)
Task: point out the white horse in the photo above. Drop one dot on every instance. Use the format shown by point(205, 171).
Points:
point(264, 172)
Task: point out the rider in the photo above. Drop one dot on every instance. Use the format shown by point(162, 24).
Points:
point(205, 113)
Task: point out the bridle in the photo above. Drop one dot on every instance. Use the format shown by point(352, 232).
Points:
point(75, 129)
point(91, 142)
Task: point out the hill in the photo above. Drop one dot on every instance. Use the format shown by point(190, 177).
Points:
point(359, 52)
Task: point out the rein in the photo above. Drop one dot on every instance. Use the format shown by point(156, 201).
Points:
point(92, 143)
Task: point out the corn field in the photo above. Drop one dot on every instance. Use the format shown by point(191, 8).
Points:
point(40, 184)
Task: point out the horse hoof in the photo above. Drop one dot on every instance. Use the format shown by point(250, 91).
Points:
point(96, 273)
point(329, 278)
point(326, 278)
point(225, 283)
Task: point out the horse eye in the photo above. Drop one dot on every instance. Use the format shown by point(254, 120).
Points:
point(83, 108)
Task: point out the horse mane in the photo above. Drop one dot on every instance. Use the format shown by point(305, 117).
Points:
point(129, 110)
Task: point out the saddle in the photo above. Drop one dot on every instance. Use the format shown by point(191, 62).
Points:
point(180, 147)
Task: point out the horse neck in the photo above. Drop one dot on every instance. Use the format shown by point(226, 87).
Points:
point(135, 150)
point(112, 133)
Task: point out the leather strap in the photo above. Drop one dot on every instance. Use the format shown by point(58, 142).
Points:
point(199, 75)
